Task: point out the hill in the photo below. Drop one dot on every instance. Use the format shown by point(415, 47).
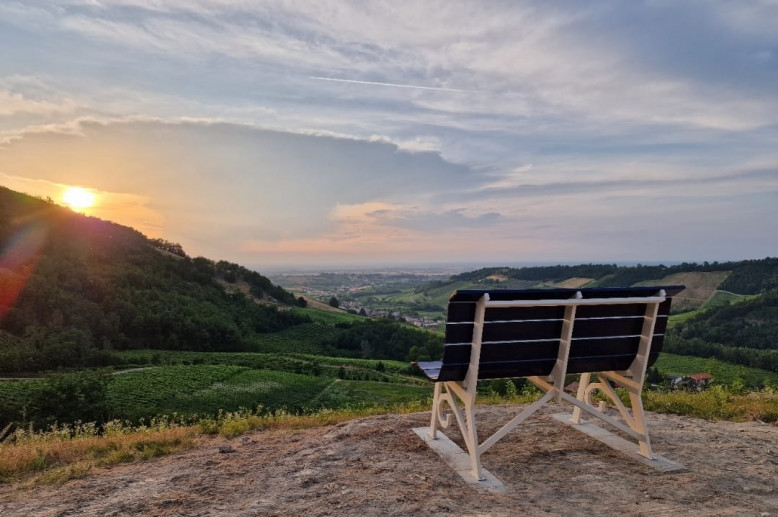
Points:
point(742, 331)
point(746, 277)
point(75, 288)
point(378, 466)
point(78, 293)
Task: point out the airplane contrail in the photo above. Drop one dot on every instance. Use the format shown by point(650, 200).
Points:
point(374, 83)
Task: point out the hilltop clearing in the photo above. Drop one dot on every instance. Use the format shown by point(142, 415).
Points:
point(378, 466)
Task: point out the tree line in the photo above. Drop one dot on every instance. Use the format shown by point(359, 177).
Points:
point(746, 276)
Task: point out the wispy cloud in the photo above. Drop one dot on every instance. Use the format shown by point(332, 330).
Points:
point(395, 85)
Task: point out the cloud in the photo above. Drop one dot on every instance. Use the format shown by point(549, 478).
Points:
point(205, 177)
point(16, 103)
point(381, 127)
point(394, 85)
point(625, 62)
point(745, 182)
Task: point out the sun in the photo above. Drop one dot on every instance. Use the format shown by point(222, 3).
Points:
point(78, 198)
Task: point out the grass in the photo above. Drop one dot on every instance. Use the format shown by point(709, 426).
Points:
point(716, 403)
point(723, 373)
point(68, 452)
point(353, 393)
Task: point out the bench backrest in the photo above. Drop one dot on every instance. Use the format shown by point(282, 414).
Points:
point(524, 341)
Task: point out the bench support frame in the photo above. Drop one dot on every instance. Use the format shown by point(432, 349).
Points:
point(460, 396)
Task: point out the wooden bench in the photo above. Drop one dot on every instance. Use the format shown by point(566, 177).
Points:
point(545, 335)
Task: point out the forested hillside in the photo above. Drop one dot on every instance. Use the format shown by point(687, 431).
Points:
point(744, 332)
point(746, 277)
point(75, 288)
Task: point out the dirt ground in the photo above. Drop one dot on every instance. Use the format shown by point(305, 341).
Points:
point(378, 466)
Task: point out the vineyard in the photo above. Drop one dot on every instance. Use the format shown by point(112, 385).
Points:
point(352, 393)
point(192, 384)
point(207, 389)
point(301, 339)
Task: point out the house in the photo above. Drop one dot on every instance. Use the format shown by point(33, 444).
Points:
point(698, 381)
point(701, 380)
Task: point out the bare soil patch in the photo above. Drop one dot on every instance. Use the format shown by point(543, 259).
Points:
point(700, 287)
point(573, 283)
point(378, 466)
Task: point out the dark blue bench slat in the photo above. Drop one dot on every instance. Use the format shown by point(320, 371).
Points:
point(550, 329)
point(472, 295)
point(541, 350)
point(465, 312)
point(630, 309)
point(615, 354)
point(460, 311)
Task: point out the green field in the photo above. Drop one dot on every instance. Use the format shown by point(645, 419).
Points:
point(301, 339)
point(353, 393)
point(723, 373)
point(204, 383)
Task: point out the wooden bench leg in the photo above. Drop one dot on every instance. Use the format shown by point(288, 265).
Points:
point(435, 411)
point(471, 439)
point(581, 395)
point(639, 425)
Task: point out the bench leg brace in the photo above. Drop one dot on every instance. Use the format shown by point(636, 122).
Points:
point(634, 419)
point(465, 418)
point(447, 393)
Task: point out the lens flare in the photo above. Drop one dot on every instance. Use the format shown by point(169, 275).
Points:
point(78, 198)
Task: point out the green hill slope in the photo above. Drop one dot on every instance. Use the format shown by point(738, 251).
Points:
point(743, 332)
point(75, 288)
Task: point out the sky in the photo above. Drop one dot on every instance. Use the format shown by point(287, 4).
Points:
point(298, 133)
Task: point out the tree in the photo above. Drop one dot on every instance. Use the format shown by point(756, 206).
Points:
point(334, 302)
point(69, 397)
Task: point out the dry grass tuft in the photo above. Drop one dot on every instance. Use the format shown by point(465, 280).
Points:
point(54, 457)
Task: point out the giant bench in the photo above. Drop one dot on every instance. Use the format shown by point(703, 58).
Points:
point(545, 335)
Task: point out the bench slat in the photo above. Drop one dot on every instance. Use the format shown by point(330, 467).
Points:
point(550, 329)
point(465, 312)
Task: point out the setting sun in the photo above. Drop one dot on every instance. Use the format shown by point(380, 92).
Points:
point(78, 198)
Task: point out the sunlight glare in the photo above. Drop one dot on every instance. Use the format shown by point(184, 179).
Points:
point(78, 198)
